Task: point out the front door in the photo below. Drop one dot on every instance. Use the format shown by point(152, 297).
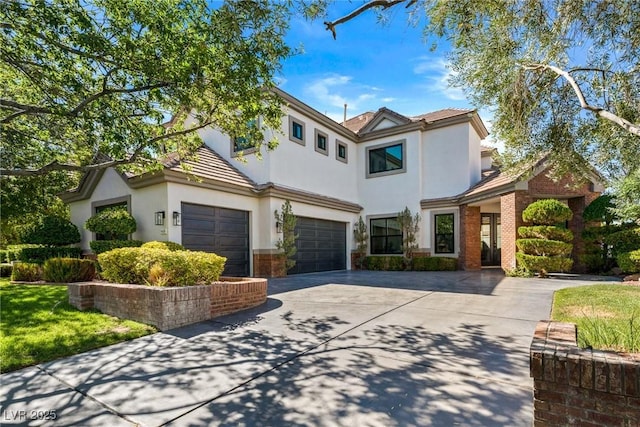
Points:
point(490, 238)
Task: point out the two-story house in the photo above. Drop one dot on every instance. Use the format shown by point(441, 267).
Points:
point(372, 166)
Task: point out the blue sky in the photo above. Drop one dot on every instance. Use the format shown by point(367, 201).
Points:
point(369, 66)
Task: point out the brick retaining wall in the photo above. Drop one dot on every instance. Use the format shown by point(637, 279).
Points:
point(581, 387)
point(170, 307)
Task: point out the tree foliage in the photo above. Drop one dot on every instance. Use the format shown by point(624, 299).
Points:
point(112, 223)
point(410, 225)
point(92, 84)
point(362, 239)
point(561, 76)
point(287, 244)
point(52, 231)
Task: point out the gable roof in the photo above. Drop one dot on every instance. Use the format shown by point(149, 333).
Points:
point(446, 113)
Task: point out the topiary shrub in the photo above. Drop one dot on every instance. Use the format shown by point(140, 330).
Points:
point(26, 272)
point(100, 246)
point(546, 232)
point(160, 267)
point(172, 246)
point(544, 247)
point(600, 210)
point(547, 212)
point(52, 231)
point(112, 223)
point(68, 270)
point(543, 264)
point(40, 255)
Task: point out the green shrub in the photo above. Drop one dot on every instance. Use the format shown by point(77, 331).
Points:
point(600, 210)
point(543, 264)
point(395, 263)
point(172, 246)
point(12, 252)
point(68, 270)
point(4, 256)
point(5, 270)
point(435, 264)
point(623, 241)
point(542, 247)
point(547, 212)
point(629, 262)
point(375, 263)
point(112, 222)
point(40, 255)
point(593, 262)
point(545, 232)
point(52, 231)
point(26, 272)
point(160, 267)
point(100, 246)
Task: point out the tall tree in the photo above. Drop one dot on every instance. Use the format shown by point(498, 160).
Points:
point(99, 83)
point(561, 76)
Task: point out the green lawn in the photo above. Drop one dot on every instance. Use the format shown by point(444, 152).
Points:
point(608, 316)
point(38, 325)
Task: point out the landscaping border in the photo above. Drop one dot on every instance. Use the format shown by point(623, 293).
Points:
point(169, 307)
point(574, 386)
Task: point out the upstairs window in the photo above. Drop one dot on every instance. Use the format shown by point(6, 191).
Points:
point(388, 159)
point(321, 142)
point(243, 143)
point(444, 228)
point(341, 151)
point(296, 130)
point(386, 236)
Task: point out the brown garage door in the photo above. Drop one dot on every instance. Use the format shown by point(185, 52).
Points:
point(321, 244)
point(218, 230)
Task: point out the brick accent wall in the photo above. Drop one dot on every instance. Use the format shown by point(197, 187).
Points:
point(470, 256)
point(574, 386)
point(511, 207)
point(269, 265)
point(171, 307)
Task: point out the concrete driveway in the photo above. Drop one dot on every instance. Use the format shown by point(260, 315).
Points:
point(340, 348)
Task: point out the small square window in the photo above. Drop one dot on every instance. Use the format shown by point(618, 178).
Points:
point(296, 130)
point(243, 143)
point(341, 151)
point(321, 142)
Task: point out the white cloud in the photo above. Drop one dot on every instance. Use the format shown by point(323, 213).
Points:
point(438, 75)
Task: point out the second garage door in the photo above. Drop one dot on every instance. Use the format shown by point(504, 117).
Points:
point(218, 230)
point(321, 244)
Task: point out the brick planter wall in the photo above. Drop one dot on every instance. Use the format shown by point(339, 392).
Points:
point(574, 386)
point(171, 307)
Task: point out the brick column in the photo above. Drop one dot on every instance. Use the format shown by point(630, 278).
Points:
point(511, 207)
point(576, 225)
point(470, 253)
point(268, 265)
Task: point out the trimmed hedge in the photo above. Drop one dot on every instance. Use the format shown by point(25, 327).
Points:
point(5, 270)
point(397, 263)
point(52, 231)
point(547, 212)
point(542, 247)
point(623, 241)
point(12, 253)
point(543, 264)
point(545, 232)
point(629, 262)
point(160, 267)
point(40, 255)
point(26, 272)
point(100, 246)
point(112, 222)
point(172, 246)
point(68, 270)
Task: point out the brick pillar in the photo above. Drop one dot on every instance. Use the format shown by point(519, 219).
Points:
point(576, 225)
point(511, 207)
point(470, 253)
point(269, 265)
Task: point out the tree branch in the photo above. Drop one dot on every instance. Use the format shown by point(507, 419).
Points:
point(384, 4)
point(57, 166)
point(601, 112)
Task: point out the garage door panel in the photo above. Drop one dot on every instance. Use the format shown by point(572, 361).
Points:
point(218, 230)
point(321, 245)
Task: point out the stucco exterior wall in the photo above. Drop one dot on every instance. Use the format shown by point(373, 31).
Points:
point(144, 202)
point(450, 161)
